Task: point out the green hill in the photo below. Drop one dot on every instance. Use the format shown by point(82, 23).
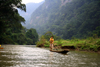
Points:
point(67, 18)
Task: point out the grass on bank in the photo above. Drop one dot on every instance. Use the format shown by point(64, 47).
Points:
point(89, 44)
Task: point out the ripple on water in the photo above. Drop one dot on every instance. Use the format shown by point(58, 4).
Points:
point(30, 56)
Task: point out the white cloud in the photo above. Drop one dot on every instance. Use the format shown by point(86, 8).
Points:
point(28, 1)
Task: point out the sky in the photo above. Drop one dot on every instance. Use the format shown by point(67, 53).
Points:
point(34, 1)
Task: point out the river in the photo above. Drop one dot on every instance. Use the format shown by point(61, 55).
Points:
point(31, 56)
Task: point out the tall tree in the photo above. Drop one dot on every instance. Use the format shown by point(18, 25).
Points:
point(32, 34)
point(9, 17)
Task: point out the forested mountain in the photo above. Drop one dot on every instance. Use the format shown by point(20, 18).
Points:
point(30, 7)
point(67, 18)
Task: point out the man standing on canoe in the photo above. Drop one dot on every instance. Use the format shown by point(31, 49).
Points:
point(51, 43)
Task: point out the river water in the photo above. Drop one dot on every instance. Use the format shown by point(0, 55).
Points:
point(31, 56)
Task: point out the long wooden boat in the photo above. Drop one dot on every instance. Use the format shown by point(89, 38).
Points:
point(1, 48)
point(60, 51)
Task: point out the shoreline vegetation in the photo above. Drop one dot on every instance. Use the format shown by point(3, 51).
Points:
point(89, 44)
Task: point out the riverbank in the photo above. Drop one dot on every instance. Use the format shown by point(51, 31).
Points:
point(89, 44)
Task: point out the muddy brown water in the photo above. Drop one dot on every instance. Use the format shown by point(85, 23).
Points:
point(31, 56)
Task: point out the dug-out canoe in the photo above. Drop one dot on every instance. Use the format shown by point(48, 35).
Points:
point(1, 48)
point(60, 51)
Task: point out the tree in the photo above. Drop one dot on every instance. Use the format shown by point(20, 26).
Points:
point(32, 34)
point(10, 20)
point(48, 34)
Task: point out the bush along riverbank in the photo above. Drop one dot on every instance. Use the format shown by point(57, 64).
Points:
point(88, 44)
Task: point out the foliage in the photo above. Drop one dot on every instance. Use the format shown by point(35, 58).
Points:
point(25, 37)
point(29, 41)
point(76, 18)
point(20, 37)
point(94, 47)
point(32, 34)
point(44, 39)
point(58, 43)
point(98, 42)
point(88, 44)
point(47, 44)
point(48, 35)
point(10, 20)
point(11, 29)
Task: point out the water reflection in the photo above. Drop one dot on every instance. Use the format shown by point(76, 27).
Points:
point(30, 56)
point(51, 58)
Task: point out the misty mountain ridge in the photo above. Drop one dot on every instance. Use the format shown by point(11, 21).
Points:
point(67, 18)
point(30, 8)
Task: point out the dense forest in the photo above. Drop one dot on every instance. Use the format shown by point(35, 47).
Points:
point(11, 30)
point(67, 18)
